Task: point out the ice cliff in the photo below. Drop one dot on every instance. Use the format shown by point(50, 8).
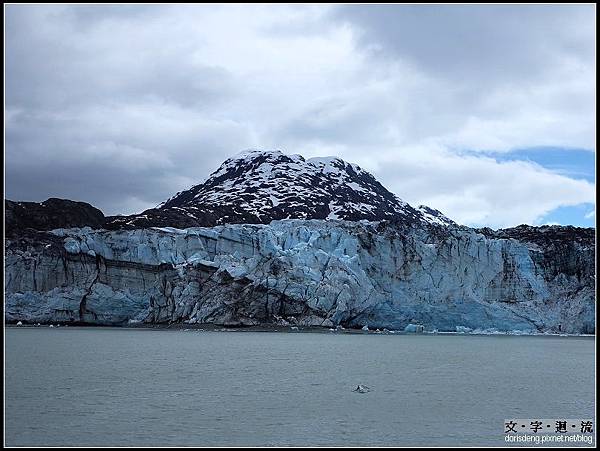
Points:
point(383, 274)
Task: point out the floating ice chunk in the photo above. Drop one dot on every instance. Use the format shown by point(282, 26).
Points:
point(365, 328)
point(463, 329)
point(19, 323)
point(489, 331)
point(414, 328)
point(525, 332)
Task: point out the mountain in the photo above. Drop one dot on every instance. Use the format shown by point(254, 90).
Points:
point(260, 243)
point(257, 187)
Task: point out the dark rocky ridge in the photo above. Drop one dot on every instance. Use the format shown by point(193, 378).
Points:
point(51, 214)
point(545, 236)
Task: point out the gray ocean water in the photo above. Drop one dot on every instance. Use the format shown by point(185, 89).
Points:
point(102, 386)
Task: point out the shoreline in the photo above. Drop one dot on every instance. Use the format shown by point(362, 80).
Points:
point(290, 329)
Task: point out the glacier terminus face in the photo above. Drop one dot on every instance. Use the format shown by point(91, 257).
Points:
point(328, 273)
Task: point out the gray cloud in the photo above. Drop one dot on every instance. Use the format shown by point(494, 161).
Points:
point(487, 43)
point(122, 106)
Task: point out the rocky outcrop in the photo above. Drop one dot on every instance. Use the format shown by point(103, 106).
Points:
point(50, 214)
point(315, 272)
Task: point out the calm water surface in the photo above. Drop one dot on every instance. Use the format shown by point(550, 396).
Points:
point(100, 386)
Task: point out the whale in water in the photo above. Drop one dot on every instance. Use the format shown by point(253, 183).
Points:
point(362, 389)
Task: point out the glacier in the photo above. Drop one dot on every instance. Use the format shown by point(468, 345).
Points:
point(297, 272)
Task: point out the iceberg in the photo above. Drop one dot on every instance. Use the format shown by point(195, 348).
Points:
point(414, 328)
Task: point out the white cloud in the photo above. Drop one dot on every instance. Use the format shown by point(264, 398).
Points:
point(131, 104)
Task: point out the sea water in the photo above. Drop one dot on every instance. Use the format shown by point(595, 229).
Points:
point(110, 386)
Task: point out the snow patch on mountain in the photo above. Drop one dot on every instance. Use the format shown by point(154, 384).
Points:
point(259, 186)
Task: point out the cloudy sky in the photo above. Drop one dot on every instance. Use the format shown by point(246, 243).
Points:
point(484, 112)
